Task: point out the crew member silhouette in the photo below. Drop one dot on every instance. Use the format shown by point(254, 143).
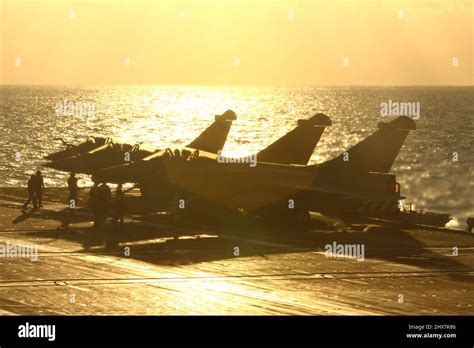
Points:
point(470, 223)
point(103, 203)
point(119, 205)
point(94, 202)
point(31, 194)
point(73, 188)
point(38, 187)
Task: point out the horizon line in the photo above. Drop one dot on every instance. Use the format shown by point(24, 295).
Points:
point(235, 85)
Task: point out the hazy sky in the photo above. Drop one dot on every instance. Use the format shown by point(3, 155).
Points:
point(264, 42)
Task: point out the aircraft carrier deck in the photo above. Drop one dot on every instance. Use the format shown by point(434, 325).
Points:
point(404, 272)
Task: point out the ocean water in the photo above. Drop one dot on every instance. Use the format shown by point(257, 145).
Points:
point(161, 116)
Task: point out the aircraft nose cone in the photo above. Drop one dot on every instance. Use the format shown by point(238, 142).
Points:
point(59, 155)
point(69, 164)
point(49, 165)
point(50, 157)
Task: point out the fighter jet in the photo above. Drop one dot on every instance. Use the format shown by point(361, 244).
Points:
point(357, 182)
point(212, 139)
point(295, 147)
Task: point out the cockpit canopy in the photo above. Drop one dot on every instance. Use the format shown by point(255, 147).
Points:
point(186, 154)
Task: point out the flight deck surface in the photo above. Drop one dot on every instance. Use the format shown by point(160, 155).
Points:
point(416, 271)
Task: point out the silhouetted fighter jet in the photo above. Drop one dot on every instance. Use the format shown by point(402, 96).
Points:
point(356, 182)
point(295, 147)
point(212, 139)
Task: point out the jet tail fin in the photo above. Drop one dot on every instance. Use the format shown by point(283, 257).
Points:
point(377, 152)
point(214, 137)
point(297, 146)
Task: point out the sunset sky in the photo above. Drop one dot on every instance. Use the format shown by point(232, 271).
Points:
point(250, 42)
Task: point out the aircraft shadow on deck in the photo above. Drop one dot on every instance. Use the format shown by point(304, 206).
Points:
point(384, 243)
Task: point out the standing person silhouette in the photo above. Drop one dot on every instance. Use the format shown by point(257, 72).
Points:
point(94, 202)
point(103, 203)
point(73, 188)
point(38, 187)
point(31, 193)
point(119, 205)
point(118, 209)
point(470, 223)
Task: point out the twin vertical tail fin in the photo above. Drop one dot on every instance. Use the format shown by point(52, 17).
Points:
point(214, 137)
point(297, 146)
point(377, 152)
